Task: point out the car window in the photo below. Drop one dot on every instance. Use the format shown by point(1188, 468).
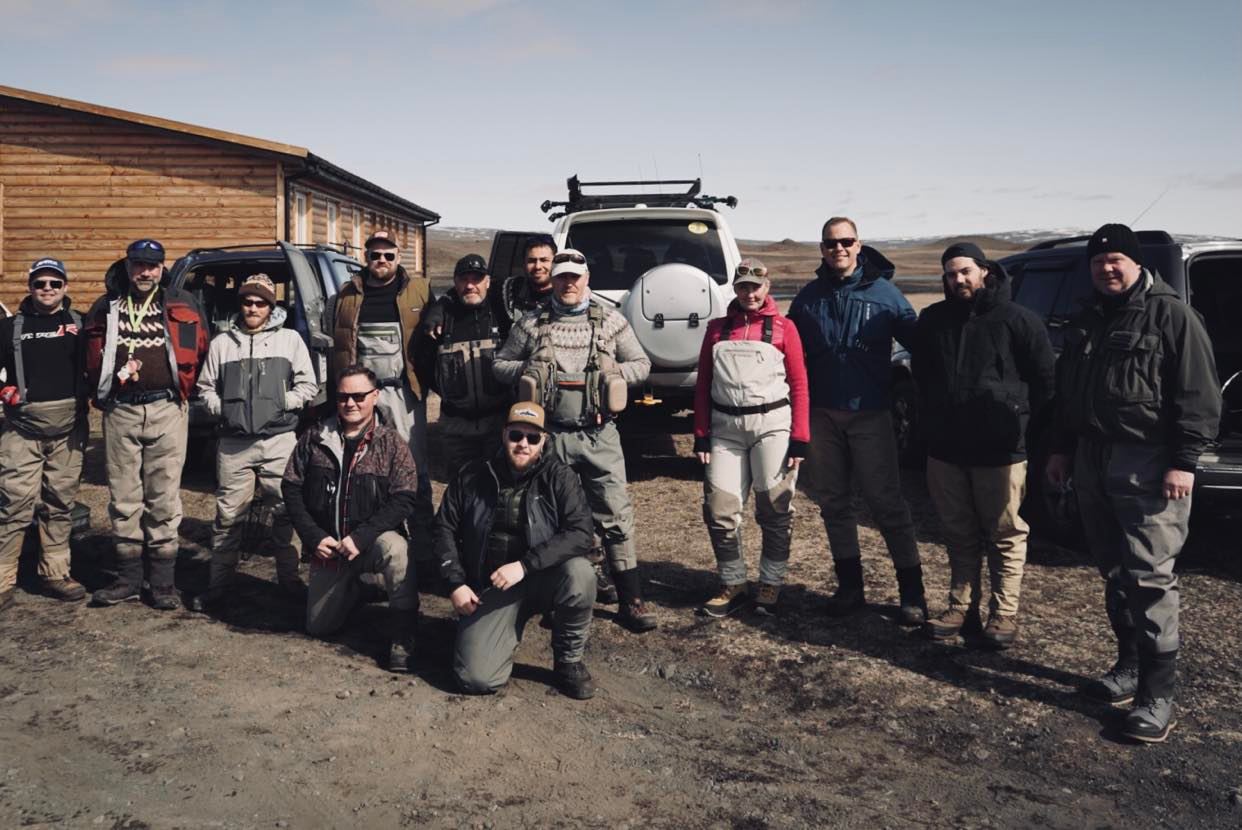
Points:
point(619, 252)
point(1038, 290)
point(343, 270)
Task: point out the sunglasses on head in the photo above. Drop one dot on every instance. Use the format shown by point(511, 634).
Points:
point(254, 302)
point(759, 271)
point(516, 436)
point(847, 242)
point(577, 259)
point(376, 256)
point(356, 397)
point(41, 284)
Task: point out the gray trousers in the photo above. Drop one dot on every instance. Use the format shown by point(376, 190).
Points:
point(1135, 534)
point(144, 450)
point(848, 445)
point(486, 640)
point(596, 456)
point(336, 586)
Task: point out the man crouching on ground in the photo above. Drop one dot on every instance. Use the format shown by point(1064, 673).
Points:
point(512, 535)
point(349, 487)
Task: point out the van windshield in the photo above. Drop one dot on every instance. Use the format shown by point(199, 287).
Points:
point(619, 252)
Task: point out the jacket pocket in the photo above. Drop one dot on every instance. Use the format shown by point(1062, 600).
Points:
point(184, 323)
point(1132, 364)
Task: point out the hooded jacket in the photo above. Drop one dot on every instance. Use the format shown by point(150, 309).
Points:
point(42, 357)
point(749, 326)
point(558, 520)
point(1140, 373)
point(185, 329)
point(257, 384)
point(982, 367)
point(847, 328)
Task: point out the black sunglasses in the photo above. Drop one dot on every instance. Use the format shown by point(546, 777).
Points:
point(848, 242)
point(41, 284)
point(253, 302)
point(375, 256)
point(356, 397)
point(516, 436)
point(578, 259)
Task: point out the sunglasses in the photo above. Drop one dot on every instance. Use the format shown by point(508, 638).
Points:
point(848, 242)
point(254, 302)
point(517, 436)
point(376, 256)
point(744, 270)
point(54, 284)
point(577, 259)
point(356, 397)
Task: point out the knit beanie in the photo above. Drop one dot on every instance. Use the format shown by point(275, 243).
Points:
point(259, 285)
point(1115, 238)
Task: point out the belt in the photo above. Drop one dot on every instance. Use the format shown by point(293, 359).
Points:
point(139, 398)
point(757, 409)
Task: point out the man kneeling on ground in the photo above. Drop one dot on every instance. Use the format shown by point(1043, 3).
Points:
point(512, 535)
point(349, 487)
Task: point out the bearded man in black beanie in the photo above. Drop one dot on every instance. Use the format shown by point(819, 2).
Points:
point(1138, 400)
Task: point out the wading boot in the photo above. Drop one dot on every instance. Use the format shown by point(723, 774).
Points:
point(946, 626)
point(65, 590)
point(766, 598)
point(1001, 631)
point(574, 680)
point(163, 592)
point(128, 583)
point(633, 613)
point(1152, 717)
point(728, 599)
point(849, 594)
point(912, 598)
point(402, 624)
point(1120, 683)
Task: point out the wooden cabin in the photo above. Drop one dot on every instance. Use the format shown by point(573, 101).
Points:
point(80, 182)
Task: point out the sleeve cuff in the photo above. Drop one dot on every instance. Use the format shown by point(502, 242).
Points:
point(702, 443)
point(798, 449)
point(1185, 465)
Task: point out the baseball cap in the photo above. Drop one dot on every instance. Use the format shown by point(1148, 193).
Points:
point(48, 263)
point(470, 264)
point(525, 412)
point(750, 270)
point(145, 250)
point(381, 236)
point(569, 261)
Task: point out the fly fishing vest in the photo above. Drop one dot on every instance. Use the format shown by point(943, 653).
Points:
point(573, 400)
point(468, 389)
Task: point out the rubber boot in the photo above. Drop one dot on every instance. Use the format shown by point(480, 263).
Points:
point(633, 613)
point(163, 591)
point(128, 583)
point(1152, 717)
point(912, 598)
point(402, 627)
point(849, 595)
point(1119, 684)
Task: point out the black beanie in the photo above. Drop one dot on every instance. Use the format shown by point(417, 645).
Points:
point(1115, 238)
point(969, 249)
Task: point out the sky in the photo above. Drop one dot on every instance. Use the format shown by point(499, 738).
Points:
point(914, 118)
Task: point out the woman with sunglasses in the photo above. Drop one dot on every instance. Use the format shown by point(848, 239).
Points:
point(751, 429)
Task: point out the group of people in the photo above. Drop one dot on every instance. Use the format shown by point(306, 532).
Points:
point(532, 375)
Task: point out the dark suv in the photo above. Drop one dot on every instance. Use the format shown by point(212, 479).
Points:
point(1053, 279)
point(305, 277)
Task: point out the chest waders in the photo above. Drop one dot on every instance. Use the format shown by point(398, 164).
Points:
point(750, 426)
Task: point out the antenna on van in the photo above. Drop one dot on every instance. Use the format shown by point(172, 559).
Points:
point(700, 155)
point(1134, 221)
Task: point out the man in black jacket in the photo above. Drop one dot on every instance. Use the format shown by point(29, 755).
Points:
point(512, 536)
point(983, 364)
point(453, 352)
point(1138, 401)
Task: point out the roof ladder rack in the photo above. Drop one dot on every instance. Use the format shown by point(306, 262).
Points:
point(579, 201)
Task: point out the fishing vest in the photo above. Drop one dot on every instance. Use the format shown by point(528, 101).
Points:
point(571, 399)
point(411, 298)
point(468, 389)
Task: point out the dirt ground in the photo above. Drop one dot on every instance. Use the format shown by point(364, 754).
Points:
point(129, 718)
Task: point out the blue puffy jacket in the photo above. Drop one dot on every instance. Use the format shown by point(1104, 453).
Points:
point(847, 329)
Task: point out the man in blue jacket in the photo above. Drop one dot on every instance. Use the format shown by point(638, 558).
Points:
point(847, 318)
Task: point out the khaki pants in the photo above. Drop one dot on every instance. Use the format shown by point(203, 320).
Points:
point(144, 450)
point(335, 586)
point(469, 439)
point(848, 445)
point(978, 508)
point(50, 470)
point(238, 462)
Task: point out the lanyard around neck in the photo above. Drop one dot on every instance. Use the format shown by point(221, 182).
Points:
point(135, 319)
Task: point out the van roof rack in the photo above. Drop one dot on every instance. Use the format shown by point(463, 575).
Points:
point(579, 201)
point(1144, 238)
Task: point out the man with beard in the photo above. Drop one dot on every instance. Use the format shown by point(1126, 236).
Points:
point(512, 535)
point(454, 351)
point(983, 365)
point(525, 293)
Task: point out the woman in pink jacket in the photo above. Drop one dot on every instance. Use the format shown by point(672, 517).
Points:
point(751, 428)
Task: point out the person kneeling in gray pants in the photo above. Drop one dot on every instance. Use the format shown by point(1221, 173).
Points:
point(512, 535)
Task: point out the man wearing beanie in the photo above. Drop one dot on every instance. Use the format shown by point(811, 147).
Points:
point(568, 357)
point(44, 430)
point(257, 379)
point(144, 345)
point(983, 365)
point(1137, 401)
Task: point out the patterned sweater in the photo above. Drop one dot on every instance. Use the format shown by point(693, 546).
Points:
point(149, 345)
point(571, 339)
